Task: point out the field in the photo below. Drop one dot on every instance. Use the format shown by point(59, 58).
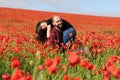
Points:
point(23, 58)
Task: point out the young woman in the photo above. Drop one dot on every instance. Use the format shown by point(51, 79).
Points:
point(41, 31)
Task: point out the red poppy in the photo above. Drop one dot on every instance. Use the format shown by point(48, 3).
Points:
point(70, 34)
point(48, 62)
point(52, 69)
point(6, 77)
point(28, 77)
point(73, 59)
point(65, 77)
point(41, 67)
point(106, 78)
point(84, 63)
point(75, 78)
point(57, 60)
point(18, 74)
point(15, 63)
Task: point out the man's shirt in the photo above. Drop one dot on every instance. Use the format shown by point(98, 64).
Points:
point(56, 36)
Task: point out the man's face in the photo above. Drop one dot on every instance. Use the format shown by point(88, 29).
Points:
point(43, 25)
point(57, 21)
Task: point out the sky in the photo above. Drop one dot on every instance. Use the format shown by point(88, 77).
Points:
point(88, 7)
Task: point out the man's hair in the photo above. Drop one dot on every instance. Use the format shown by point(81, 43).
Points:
point(54, 17)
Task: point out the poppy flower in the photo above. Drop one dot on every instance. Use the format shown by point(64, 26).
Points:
point(6, 77)
point(65, 77)
point(57, 60)
point(41, 67)
point(18, 74)
point(48, 62)
point(84, 63)
point(73, 59)
point(15, 63)
point(70, 34)
point(52, 69)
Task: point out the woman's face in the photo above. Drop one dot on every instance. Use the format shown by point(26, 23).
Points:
point(43, 25)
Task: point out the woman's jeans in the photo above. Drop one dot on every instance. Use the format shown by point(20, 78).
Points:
point(66, 35)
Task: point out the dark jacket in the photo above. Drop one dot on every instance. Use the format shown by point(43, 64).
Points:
point(66, 25)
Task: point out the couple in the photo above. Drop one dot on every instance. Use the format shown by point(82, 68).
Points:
point(56, 30)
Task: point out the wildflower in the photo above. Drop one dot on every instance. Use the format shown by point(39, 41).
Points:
point(41, 67)
point(65, 77)
point(57, 60)
point(18, 75)
point(52, 69)
point(70, 34)
point(73, 59)
point(6, 77)
point(15, 63)
point(48, 62)
point(84, 63)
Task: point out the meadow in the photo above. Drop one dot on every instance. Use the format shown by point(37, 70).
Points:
point(23, 58)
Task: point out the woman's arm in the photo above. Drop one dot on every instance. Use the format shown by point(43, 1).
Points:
point(48, 31)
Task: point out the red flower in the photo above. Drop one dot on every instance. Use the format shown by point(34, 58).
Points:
point(6, 77)
point(108, 63)
point(91, 67)
point(70, 34)
point(17, 75)
point(75, 79)
point(52, 69)
point(15, 63)
point(1, 50)
point(18, 49)
point(73, 59)
point(106, 73)
point(43, 53)
point(84, 63)
point(41, 67)
point(57, 60)
point(114, 71)
point(104, 68)
point(65, 77)
point(28, 77)
point(106, 78)
point(48, 62)
point(36, 35)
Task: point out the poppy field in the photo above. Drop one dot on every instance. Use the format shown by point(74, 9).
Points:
point(24, 58)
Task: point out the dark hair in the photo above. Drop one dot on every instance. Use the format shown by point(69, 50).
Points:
point(41, 33)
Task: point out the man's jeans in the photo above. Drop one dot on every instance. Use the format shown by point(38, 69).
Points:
point(66, 35)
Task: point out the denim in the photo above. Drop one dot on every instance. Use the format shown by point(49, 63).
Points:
point(78, 49)
point(66, 36)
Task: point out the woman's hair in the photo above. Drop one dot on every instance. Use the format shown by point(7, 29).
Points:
point(41, 33)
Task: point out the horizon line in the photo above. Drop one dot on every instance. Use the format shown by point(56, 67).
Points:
point(62, 12)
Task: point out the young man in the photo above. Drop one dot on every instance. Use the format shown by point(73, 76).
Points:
point(60, 33)
point(61, 30)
